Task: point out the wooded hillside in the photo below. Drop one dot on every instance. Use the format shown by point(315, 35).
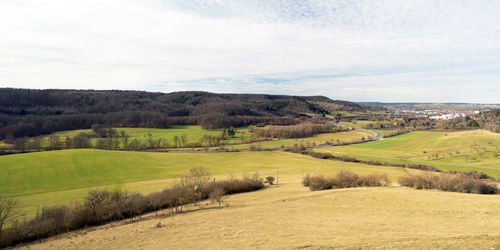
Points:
point(27, 112)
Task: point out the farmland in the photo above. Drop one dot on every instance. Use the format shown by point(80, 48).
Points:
point(291, 216)
point(60, 177)
point(339, 137)
point(194, 133)
point(463, 151)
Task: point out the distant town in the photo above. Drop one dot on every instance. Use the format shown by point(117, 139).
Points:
point(437, 111)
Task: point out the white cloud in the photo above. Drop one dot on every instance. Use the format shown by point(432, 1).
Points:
point(355, 50)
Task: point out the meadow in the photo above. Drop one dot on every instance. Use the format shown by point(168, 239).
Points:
point(61, 177)
point(242, 139)
point(292, 217)
point(194, 133)
point(463, 151)
point(393, 217)
point(339, 137)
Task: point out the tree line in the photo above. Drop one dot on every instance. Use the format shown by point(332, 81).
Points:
point(297, 131)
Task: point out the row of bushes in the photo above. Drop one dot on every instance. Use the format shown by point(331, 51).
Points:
point(344, 179)
point(474, 174)
point(101, 206)
point(297, 131)
point(369, 162)
point(449, 182)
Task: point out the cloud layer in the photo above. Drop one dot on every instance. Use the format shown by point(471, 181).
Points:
point(429, 50)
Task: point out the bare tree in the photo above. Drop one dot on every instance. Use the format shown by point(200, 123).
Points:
point(7, 212)
point(217, 195)
point(200, 176)
point(184, 140)
point(124, 138)
point(150, 139)
point(176, 141)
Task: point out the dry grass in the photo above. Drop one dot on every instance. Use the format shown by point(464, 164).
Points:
point(291, 216)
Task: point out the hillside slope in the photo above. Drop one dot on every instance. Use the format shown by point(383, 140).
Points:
point(292, 217)
point(27, 112)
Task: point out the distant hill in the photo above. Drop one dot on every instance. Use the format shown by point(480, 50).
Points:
point(28, 112)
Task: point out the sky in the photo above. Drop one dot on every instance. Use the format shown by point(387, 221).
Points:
point(363, 50)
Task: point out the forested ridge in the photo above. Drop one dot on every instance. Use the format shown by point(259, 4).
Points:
point(29, 112)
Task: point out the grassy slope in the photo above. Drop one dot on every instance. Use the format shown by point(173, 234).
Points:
point(419, 147)
point(194, 132)
point(292, 217)
point(354, 135)
point(59, 177)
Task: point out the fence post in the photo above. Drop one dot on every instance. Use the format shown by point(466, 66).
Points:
point(277, 178)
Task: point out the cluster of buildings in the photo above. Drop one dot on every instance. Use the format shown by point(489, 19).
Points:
point(436, 114)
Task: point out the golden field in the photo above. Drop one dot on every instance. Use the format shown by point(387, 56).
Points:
point(292, 217)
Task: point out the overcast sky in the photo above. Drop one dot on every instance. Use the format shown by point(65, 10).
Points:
point(423, 51)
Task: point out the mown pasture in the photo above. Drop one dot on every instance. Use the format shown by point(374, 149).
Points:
point(463, 151)
point(292, 217)
point(60, 177)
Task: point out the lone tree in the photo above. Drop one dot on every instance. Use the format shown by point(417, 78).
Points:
point(7, 207)
point(200, 176)
point(270, 180)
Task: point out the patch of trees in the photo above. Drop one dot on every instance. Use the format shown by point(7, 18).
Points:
point(297, 131)
point(25, 112)
point(460, 182)
point(102, 206)
point(344, 179)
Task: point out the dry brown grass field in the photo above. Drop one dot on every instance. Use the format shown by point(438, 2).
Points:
point(293, 217)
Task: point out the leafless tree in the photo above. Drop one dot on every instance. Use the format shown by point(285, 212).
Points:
point(200, 176)
point(7, 211)
point(217, 195)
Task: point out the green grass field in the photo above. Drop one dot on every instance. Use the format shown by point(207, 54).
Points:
point(194, 133)
point(339, 137)
point(388, 214)
point(463, 151)
point(60, 177)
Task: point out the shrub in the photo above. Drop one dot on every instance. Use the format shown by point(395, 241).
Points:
point(238, 186)
point(344, 179)
point(270, 180)
point(217, 195)
point(306, 180)
point(449, 182)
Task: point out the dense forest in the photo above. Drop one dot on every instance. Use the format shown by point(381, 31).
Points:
point(27, 112)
